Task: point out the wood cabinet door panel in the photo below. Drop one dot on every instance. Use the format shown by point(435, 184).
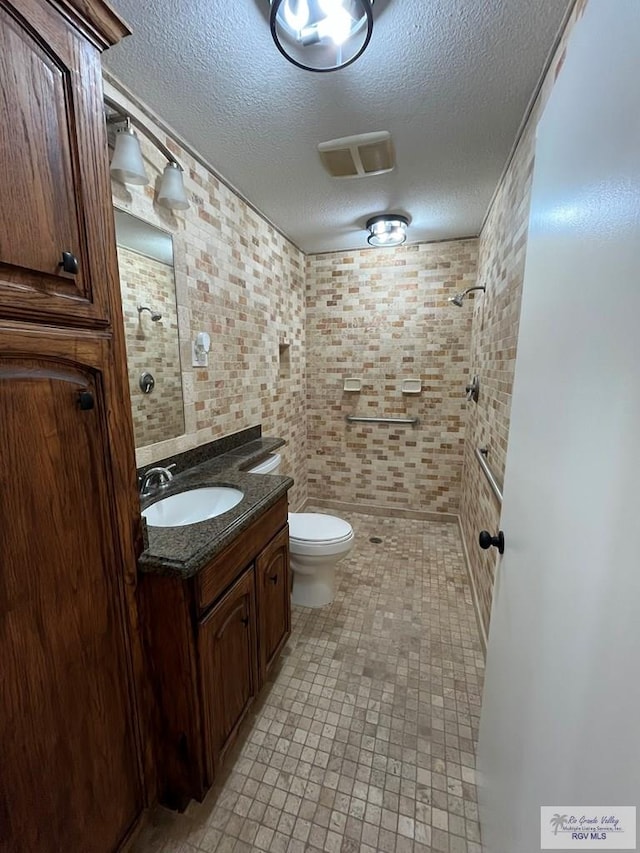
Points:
point(274, 600)
point(227, 643)
point(69, 775)
point(52, 171)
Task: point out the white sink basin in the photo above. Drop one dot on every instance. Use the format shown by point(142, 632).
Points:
point(192, 506)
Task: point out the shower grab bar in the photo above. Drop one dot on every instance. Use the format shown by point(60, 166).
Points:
point(481, 455)
point(352, 419)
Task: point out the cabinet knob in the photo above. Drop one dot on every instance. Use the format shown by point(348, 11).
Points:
point(245, 620)
point(69, 263)
point(85, 400)
point(486, 540)
point(273, 578)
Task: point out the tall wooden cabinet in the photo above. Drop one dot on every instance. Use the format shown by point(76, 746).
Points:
point(71, 769)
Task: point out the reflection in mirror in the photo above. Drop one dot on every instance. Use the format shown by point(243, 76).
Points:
point(145, 262)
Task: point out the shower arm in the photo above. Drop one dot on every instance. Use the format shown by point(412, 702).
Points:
point(481, 287)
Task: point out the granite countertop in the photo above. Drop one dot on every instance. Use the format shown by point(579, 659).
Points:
point(182, 551)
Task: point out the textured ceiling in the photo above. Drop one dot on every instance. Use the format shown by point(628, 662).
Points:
point(450, 79)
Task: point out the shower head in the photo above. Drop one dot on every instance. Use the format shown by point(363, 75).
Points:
point(155, 316)
point(459, 297)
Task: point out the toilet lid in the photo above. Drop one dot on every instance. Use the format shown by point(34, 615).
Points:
point(317, 527)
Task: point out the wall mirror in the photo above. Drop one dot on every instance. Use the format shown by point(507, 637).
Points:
point(147, 282)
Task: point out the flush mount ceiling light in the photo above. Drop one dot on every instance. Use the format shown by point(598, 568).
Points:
point(321, 35)
point(127, 165)
point(389, 229)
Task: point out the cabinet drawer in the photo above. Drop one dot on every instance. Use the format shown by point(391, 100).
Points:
point(212, 581)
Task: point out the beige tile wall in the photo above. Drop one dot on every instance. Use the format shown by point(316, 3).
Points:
point(501, 259)
point(382, 315)
point(151, 347)
point(240, 280)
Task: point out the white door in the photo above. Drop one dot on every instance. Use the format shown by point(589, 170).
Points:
point(561, 711)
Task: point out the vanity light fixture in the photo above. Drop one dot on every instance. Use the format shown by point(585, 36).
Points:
point(172, 193)
point(321, 35)
point(127, 165)
point(388, 229)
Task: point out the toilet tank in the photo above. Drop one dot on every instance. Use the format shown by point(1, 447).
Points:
point(270, 465)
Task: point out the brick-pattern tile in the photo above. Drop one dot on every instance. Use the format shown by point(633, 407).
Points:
point(383, 315)
point(243, 282)
point(365, 738)
point(501, 261)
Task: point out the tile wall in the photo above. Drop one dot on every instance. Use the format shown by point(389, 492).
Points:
point(380, 315)
point(501, 262)
point(241, 281)
point(383, 316)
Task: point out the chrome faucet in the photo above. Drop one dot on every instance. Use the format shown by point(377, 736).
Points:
point(154, 480)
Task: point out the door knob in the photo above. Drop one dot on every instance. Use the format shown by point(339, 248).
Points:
point(486, 540)
point(69, 263)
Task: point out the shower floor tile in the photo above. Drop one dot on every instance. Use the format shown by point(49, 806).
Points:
point(364, 738)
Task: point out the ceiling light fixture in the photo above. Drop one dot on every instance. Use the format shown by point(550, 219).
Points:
point(388, 229)
point(321, 35)
point(127, 165)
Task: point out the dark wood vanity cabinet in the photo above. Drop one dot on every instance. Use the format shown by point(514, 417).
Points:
point(274, 600)
point(228, 670)
point(71, 760)
point(211, 641)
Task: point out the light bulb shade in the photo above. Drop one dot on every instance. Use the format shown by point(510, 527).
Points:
point(172, 193)
point(321, 35)
point(389, 229)
point(127, 165)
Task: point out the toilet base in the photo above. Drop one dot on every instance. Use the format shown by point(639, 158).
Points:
point(314, 590)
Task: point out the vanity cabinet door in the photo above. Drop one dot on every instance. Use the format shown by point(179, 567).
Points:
point(227, 646)
point(69, 773)
point(274, 600)
point(53, 171)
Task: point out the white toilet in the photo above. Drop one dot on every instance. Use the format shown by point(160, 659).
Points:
point(316, 543)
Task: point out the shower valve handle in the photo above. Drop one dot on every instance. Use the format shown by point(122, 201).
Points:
point(486, 540)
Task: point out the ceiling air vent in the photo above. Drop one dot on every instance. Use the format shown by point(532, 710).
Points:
point(358, 156)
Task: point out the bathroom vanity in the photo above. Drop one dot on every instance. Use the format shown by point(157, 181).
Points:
point(216, 609)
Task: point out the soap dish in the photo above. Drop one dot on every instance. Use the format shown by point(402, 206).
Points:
point(352, 383)
point(411, 386)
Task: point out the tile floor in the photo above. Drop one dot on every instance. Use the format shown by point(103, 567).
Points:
point(364, 739)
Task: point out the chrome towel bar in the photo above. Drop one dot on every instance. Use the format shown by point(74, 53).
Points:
point(352, 419)
point(481, 455)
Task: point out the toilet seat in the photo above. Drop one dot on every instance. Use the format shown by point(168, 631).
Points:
point(315, 533)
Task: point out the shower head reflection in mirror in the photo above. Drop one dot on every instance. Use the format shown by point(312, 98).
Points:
point(155, 316)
